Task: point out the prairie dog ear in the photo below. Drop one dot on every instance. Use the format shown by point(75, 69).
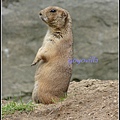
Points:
point(64, 14)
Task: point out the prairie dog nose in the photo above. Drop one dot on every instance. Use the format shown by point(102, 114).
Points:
point(40, 13)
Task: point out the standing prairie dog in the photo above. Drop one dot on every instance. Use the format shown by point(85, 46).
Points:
point(53, 74)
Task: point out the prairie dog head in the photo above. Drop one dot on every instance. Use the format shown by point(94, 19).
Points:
point(54, 16)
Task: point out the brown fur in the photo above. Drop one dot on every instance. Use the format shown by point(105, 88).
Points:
point(54, 72)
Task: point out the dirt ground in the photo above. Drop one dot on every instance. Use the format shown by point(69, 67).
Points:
point(87, 100)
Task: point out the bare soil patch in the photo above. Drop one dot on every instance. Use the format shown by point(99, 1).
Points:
point(87, 100)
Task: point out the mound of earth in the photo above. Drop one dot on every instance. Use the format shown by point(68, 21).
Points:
point(87, 100)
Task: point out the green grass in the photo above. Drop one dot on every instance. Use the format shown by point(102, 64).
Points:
point(11, 107)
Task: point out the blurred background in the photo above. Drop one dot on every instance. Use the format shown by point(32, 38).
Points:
point(95, 30)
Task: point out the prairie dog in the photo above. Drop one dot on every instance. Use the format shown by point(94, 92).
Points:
point(53, 74)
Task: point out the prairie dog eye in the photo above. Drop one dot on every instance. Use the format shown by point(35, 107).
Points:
point(53, 10)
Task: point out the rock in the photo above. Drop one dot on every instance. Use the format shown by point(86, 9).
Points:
point(95, 30)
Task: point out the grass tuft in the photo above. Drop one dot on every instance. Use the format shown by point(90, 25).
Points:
point(11, 107)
